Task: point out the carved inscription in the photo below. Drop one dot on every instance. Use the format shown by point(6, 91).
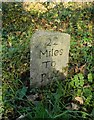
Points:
point(49, 55)
point(49, 42)
point(48, 76)
point(52, 52)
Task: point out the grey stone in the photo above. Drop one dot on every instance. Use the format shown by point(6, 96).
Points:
point(49, 56)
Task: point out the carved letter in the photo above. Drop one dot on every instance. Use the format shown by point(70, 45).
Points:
point(61, 51)
point(56, 52)
point(53, 63)
point(46, 63)
point(45, 53)
point(43, 77)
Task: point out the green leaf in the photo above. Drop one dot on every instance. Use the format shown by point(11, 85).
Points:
point(88, 99)
point(92, 112)
point(87, 92)
point(90, 77)
point(22, 92)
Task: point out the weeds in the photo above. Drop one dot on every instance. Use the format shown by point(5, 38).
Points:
point(72, 98)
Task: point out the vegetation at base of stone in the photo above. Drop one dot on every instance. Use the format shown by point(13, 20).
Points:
point(72, 98)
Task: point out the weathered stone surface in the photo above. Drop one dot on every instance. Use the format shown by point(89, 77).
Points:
point(49, 55)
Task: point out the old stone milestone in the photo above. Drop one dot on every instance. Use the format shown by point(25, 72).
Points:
point(49, 56)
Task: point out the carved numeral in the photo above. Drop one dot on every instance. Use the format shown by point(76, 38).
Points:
point(55, 42)
point(49, 42)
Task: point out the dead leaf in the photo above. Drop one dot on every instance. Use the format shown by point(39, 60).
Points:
point(32, 97)
point(74, 106)
point(79, 99)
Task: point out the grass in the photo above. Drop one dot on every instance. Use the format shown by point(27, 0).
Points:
point(58, 99)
